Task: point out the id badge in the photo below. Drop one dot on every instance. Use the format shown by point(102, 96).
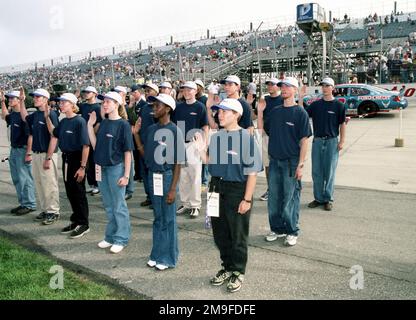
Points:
point(98, 173)
point(213, 204)
point(65, 172)
point(158, 184)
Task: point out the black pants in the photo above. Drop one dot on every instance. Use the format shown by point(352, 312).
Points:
point(137, 173)
point(231, 228)
point(91, 169)
point(75, 191)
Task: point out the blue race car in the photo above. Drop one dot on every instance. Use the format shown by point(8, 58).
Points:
point(363, 99)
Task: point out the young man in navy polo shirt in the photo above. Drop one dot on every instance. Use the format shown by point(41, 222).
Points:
point(20, 170)
point(190, 116)
point(289, 130)
point(233, 162)
point(91, 105)
point(265, 105)
point(45, 158)
point(328, 116)
point(164, 155)
point(113, 145)
point(74, 143)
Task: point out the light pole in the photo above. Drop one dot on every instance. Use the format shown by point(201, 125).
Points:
point(275, 51)
point(258, 57)
point(293, 54)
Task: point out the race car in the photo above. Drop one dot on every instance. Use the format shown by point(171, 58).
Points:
point(363, 99)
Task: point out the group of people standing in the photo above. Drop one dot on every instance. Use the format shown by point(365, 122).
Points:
point(171, 144)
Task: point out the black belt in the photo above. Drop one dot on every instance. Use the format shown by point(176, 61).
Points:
point(19, 147)
point(217, 184)
point(325, 137)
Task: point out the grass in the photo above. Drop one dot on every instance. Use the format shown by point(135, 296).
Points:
point(24, 275)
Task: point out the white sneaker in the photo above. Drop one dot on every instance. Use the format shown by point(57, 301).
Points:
point(194, 213)
point(161, 267)
point(116, 248)
point(95, 191)
point(89, 189)
point(291, 240)
point(104, 244)
point(272, 236)
point(151, 263)
point(182, 210)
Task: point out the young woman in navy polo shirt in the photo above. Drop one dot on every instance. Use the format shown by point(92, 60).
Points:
point(73, 141)
point(113, 145)
point(234, 161)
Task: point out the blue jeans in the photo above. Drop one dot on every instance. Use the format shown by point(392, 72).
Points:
point(204, 175)
point(324, 164)
point(118, 226)
point(130, 186)
point(284, 196)
point(22, 178)
point(165, 230)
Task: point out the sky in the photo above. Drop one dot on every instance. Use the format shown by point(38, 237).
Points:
point(52, 28)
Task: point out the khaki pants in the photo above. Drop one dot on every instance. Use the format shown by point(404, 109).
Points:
point(46, 182)
point(190, 179)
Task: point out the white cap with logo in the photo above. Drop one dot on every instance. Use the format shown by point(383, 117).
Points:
point(40, 93)
point(200, 83)
point(90, 89)
point(68, 97)
point(328, 81)
point(289, 81)
point(113, 96)
point(233, 79)
point(273, 81)
point(120, 89)
point(189, 85)
point(165, 85)
point(151, 86)
point(164, 98)
point(229, 104)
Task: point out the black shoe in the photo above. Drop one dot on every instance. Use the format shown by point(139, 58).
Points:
point(183, 210)
point(40, 217)
point(22, 211)
point(50, 218)
point(220, 277)
point(314, 204)
point(69, 228)
point(328, 206)
point(16, 209)
point(79, 232)
point(151, 207)
point(128, 196)
point(235, 282)
point(146, 203)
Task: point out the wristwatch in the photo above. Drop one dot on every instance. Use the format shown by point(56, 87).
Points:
point(48, 158)
point(126, 177)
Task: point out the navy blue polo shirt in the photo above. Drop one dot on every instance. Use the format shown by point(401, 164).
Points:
point(194, 115)
point(271, 102)
point(286, 127)
point(145, 111)
point(72, 134)
point(164, 147)
point(19, 130)
point(326, 116)
point(85, 109)
point(245, 121)
point(39, 130)
point(203, 99)
point(113, 140)
point(233, 155)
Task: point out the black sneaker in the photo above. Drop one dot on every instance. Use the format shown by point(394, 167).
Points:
point(22, 211)
point(220, 277)
point(182, 210)
point(79, 231)
point(314, 204)
point(14, 210)
point(69, 228)
point(235, 282)
point(128, 196)
point(50, 218)
point(40, 217)
point(146, 203)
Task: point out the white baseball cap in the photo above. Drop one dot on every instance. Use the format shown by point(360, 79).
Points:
point(165, 85)
point(68, 97)
point(289, 81)
point(230, 104)
point(151, 86)
point(273, 81)
point(120, 89)
point(113, 96)
point(13, 94)
point(40, 93)
point(233, 79)
point(90, 89)
point(200, 83)
point(166, 99)
point(190, 85)
point(328, 81)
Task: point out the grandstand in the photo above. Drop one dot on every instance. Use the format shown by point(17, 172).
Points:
point(278, 49)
